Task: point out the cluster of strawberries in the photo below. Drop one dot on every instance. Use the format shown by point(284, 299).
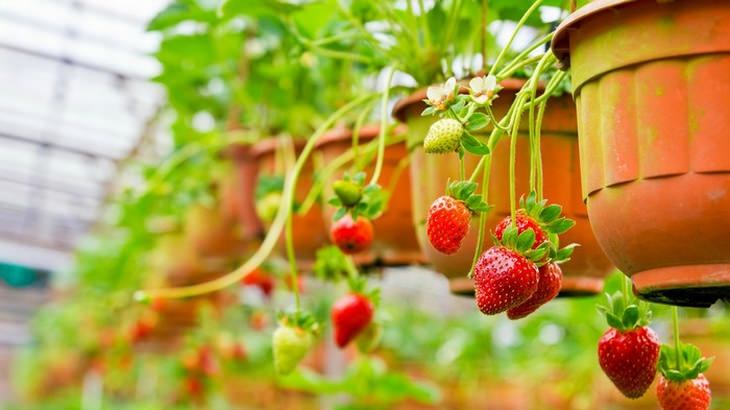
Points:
point(520, 272)
point(630, 355)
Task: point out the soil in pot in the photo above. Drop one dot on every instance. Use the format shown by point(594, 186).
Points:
point(652, 89)
point(394, 242)
point(584, 273)
point(309, 231)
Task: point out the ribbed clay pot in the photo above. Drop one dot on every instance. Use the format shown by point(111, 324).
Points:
point(209, 233)
point(309, 231)
point(584, 273)
point(652, 88)
point(394, 241)
point(237, 190)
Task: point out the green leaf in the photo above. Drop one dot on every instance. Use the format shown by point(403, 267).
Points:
point(631, 316)
point(613, 321)
point(339, 214)
point(473, 145)
point(477, 121)
point(525, 240)
point(428, 111)
point(560, 226)
point(550, 213)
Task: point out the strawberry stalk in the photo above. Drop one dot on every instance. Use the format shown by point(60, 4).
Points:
point(383, 124)
point(275, 231)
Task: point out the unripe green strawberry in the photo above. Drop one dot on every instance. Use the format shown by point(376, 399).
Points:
point(268, 206)
point(443, 137)
point(369, 339)
point(290, 345)
point(348, 192)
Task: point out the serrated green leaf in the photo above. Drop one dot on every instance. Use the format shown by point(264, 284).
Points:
point(477, 121)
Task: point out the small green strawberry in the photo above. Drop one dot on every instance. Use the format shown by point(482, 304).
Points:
point(348, 192)
point(443, 137)
point(268, 206)
point(291, 341)
point(369, 339)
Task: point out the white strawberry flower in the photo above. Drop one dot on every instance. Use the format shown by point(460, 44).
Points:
point(483, 89)
point(438, 95)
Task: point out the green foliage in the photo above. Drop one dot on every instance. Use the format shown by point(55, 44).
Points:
point(692, 363)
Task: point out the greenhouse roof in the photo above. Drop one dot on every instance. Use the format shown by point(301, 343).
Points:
point(76, 100)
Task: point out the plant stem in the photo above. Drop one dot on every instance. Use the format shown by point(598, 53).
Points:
point(356, 131)
point(675, 324)
point(275, 230)
point(625, 289)
point(513, 160)
point(522, 58)
point(507, 46)
point(462, 171)
point(383, 130)
point(483, 34)
point(483, 215)
point(540, 114)
point(289, 238)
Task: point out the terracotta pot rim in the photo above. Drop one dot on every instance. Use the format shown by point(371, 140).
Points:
point(417, 97)
point(267, 145)
point(368, 132)
point(560, 44)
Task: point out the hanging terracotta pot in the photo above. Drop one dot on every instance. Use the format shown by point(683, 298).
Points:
point(584, 273)
point(209, 233)
point(309, 232)
point(237, 190)
point(394, 242)
point(652, 87)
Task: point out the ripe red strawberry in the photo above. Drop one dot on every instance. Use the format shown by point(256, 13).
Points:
point(352, 236)
point(628, 351)
point(351, 314)
point(503, 279)
point(682, 386)
point(692, 394)
point(523, 222)
point(629, 359)
point(447, 224)
point(261, 280)
point(548, 286)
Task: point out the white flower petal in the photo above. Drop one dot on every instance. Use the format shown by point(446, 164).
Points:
point(476, 84)
point(450, 85)
point(434, 93)
point(480, 99)
point(490, 83)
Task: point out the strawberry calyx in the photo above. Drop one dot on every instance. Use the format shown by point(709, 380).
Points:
point(625, 313)
point(692, 362)
point(464, 191)
point(354, 197)
point(522, 244)
point(359, 285)
point(299, 319)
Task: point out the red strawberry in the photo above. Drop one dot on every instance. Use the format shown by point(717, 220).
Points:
point(685, 395)
point(503, 279)
point(629, 358)
point(548, 286)
point(523, 222)
point(351, 314)
point(447, 224)
point(194, 386)
point(261, 280)
point(352, 236)
point(682, 386)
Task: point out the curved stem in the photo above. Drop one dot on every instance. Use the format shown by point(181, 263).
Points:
point(383, 125)
point(513, 160)
point(519, 25)
point(538, 136)
point(275, 230)
point(356, 130)
point(289, 238)
point(483, 34)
